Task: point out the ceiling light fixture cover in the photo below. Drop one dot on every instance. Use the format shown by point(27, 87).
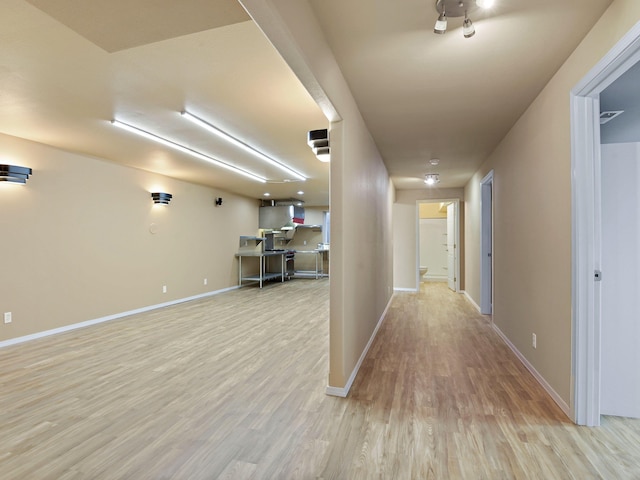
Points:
point(431, 178)
point(187, 150)
point(14, 174)
point(240, 144)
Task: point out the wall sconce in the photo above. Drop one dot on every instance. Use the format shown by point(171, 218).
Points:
point(14, 174)
point(161, 198)
point(318, 140)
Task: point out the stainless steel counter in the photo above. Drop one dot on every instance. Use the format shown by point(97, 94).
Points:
point(263, 275)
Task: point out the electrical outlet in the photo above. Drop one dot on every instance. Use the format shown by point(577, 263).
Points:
point(7, 317)
point(533, 340)
point(164, 289)
point(206, 281)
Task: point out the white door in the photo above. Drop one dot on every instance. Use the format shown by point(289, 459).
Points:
point(620, 294)
point(451, 246)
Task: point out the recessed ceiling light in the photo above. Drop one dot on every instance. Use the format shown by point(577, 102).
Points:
point(434, 161)
point(300, 192)
point(267, 194)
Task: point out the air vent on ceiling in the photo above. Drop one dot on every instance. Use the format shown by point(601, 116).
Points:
point(608, 116)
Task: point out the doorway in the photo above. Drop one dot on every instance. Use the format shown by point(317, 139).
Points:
point(588, 273)
point(486, 244)
point(438, 242)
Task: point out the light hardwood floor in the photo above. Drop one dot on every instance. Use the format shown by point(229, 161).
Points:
point(233, 387)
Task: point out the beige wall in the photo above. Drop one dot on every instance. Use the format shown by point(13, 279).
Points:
point(361, 191)
point(405, 235)
point(432, 210)
point(78, 246)
point(532, 208)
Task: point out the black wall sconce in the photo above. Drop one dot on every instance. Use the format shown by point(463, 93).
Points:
point(161, 198)
point(318, 140)
point(14, 174)
point(218, 201)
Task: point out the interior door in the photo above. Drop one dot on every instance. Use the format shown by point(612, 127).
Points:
point(620, 307)
point(451, 246)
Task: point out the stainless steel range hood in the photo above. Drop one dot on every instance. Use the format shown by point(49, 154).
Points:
point(281, 214)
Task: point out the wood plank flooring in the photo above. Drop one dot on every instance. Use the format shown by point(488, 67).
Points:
point(232, 387)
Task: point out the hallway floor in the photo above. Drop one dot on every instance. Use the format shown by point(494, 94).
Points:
point(232, 386)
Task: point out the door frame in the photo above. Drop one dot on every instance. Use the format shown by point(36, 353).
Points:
point(486, 244)
point(455, 201)
point(586, 224)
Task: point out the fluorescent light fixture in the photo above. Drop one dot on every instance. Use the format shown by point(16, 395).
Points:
point(187, 150)
point(240, 144)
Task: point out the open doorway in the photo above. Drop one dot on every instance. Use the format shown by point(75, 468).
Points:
point(603, 249)
point(438, 242)
point(486, 244)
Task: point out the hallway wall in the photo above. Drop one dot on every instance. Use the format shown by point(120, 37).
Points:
point(532, 214)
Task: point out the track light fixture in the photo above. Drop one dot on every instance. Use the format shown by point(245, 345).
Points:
point(458, 8)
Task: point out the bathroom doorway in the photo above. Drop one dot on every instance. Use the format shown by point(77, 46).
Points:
point(438, 240)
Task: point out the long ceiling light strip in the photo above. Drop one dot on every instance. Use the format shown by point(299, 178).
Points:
point(239, 143)
point(190, 151)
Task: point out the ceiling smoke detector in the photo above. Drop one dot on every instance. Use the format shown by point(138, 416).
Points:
point(608, 116)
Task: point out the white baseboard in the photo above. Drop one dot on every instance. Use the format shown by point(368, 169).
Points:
point(471, 300)
point(344, 391)
point(552, 393)
point(95, 321)
point(413, 290)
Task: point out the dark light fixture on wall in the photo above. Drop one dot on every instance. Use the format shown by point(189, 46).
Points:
point(161, 198)
point(14, 174)
point(318, 140)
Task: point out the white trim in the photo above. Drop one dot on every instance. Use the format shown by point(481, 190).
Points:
point(108, 318)
point(585, 224)
point(552, 393)
point(413, 290)
point(344, 391)
point(471, 300)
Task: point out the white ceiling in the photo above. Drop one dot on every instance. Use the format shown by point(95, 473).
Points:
point(68, 67)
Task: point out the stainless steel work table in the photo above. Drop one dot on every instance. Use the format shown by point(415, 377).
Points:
point(262, 274)
point(318, 272)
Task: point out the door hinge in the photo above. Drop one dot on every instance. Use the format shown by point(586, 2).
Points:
point(597, 275)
